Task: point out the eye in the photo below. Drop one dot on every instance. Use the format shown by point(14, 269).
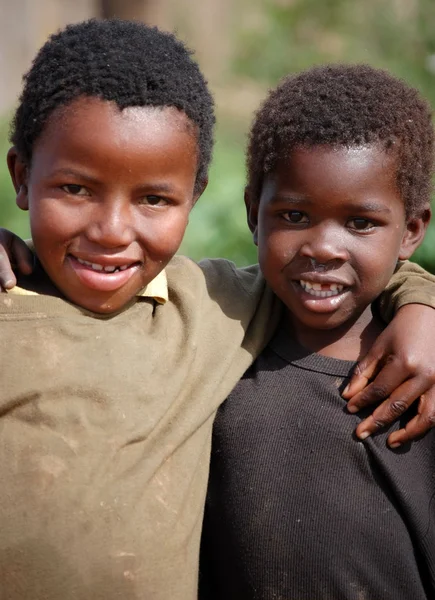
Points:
point(75, 189)
point(360, 224)
point(153, 201)
point(295, 216)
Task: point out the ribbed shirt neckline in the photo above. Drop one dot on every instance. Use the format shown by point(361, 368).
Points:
point(290, 350)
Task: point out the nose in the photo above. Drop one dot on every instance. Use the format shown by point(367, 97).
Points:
point(111, 224)
point(325, 244)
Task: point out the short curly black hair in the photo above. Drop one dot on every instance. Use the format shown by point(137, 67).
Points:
point(126, 62)
point(346, 105)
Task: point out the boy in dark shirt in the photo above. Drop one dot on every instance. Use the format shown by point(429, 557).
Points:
point(339, 178)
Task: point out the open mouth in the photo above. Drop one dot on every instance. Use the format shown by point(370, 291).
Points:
point(104, 277)
point(321, 290)
point(101, 268)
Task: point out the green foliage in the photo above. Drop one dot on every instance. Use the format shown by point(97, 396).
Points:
point(217, 226)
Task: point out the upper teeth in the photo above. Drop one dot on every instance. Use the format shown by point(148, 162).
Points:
point(97, 267)
point(321, 290)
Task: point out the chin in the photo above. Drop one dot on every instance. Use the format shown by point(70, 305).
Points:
point(322, 322)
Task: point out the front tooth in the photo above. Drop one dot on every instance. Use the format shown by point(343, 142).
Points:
point(317, 287)
point(306, 284)
point(123, 267)
point(333, 287)
point(97, 267)
point(110, 269)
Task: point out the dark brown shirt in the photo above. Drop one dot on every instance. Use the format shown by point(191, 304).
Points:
point(298, 508)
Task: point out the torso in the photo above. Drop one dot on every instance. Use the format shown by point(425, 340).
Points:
point(105, 431)
point(297, 508)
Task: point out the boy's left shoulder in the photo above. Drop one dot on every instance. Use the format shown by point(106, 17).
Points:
point(216, 279)
point(216, 289)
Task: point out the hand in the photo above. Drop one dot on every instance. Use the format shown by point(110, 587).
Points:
point(401, 364)
point(13, 251)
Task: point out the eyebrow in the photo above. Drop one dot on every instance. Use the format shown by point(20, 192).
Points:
point(74, 173)
point(156, 187)
point(369, 206)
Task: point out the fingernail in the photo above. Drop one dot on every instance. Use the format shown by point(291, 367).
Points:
point(346, 389)
point(352, 409)
point(364, 435)
point(395, 445)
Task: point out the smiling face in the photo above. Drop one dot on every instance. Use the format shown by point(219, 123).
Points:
point(109, 194)
point(330, 227)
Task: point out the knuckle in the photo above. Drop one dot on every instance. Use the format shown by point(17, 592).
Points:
point(389, 359)
point(358, 370)
point(407, 362)
point(429, 418)
point(410, 363)
point(397, 408)
point(379, 423)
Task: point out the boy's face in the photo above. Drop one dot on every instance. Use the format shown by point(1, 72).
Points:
point(330, 227)
point(109, 194)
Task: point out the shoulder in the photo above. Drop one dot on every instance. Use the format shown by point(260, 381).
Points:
point(215, 277)
point(34, 297)
point(217, 283)
point(215, 291)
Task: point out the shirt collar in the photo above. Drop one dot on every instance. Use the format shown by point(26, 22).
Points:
point(157, 289)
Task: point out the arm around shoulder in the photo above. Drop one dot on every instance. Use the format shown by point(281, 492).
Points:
point(410, 284)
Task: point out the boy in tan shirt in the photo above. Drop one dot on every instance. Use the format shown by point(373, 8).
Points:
point(127, 351)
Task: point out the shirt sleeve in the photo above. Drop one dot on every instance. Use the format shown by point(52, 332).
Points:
point(410, 284)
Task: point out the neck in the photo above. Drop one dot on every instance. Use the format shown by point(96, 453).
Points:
point(350, 341)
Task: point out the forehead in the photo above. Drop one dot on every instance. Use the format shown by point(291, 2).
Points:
point(96, 121)
point(346, 164)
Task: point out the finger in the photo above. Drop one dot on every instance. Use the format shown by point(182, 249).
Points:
point(392, 408)
point(7, 277)
point(365, 370)
point(22, 255)
point(419, 425)
point(389, 378)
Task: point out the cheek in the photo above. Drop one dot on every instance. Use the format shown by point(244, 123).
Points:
point(277, 248)
point(375, 261)
point(162, 236)
point(49, 222)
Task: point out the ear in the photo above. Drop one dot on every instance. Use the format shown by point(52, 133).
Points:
point(414, 233)
point(252, 214)
point(199, 192)
point(19, 174)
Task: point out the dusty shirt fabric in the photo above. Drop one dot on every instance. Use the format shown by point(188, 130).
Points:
point(105, 431)
point(105, 428)
point(297, 508)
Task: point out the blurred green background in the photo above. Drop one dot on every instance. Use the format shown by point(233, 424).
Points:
point(266, 40)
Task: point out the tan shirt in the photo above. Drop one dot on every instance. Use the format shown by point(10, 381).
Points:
point(105, 426)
